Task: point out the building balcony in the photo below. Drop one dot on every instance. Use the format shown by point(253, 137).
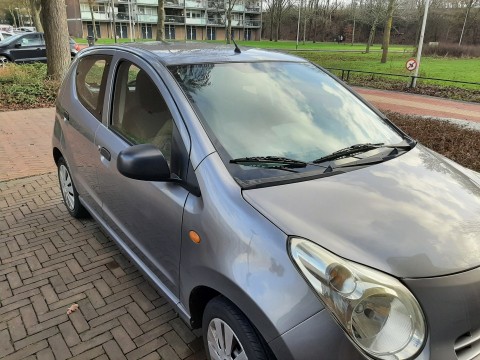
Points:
point(216, 21)
point(147, 18)
point(220, 5)
point(87, 15)
point(198, 21)
point(174, 19)
point(147, 2)
point(252, 23)
point(174, 3)
point(252, 9)
point(195, 4)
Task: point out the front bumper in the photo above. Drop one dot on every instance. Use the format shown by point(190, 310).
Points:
point(318, 337)
point(452, 307)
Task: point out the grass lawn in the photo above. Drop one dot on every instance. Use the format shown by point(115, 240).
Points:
point(435, 67)
point(347, 56)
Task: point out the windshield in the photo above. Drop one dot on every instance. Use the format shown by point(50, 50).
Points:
point(283, 109)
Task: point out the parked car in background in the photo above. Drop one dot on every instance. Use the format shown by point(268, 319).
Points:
point(272, 206)
point(27, 28)
point(5, 35)
point(28, 47)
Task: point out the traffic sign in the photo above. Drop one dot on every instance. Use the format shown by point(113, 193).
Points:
point(411, 64)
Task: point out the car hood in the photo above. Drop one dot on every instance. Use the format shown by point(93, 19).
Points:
point(417, 215)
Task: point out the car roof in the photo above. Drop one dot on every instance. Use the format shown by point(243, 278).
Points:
point(180, 53)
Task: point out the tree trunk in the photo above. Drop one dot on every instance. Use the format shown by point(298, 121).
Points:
point(13, 16)
point(272, 11)
point(469, 6)
point(229, 25)
point(371, 36)
point(161, 21)
point(387, 30)
point(54, 20)
point(35, 9)
point(90, 3)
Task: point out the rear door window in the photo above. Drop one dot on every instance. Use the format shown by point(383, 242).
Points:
point(91, 77)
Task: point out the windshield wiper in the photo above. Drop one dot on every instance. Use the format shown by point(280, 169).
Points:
point(269, 162)
point(360, 148)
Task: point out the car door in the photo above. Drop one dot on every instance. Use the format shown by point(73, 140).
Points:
point(146, 216)
point(81, 106)
point(29, 47)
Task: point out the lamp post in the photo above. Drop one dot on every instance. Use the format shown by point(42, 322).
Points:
point(420, 44)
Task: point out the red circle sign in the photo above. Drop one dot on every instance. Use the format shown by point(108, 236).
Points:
point(411, 64)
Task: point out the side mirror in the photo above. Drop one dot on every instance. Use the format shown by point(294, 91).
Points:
point(143, 162)
point(17, 45)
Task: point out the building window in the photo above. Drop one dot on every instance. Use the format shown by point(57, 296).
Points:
point(144, 10)
point(122, 31)
point(191, 33)
point(147, 31)
point(90, 30)
point(211, 34)
point(169, 32)
point(194, 15)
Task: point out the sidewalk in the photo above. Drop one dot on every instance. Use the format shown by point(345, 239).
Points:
point(413, 104)
point(50, 261)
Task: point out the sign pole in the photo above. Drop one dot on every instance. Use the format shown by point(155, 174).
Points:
point(420, 44)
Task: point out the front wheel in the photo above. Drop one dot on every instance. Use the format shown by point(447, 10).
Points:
point(4, 60)
point(69, 193)
point(229, 335)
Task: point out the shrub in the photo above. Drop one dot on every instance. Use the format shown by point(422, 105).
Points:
point(458, 143)
point(451, 50)
point(25, 86)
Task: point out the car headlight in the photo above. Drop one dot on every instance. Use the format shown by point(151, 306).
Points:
point(379, 314)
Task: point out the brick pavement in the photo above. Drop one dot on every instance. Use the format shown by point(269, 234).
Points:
point(25, 143)
point(414, 104)
point(49, 261)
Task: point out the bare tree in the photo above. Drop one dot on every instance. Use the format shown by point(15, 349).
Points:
point(387, 29)
point(54, 20)
point(161, 20)
point(90, 6)
point(12, 13)
point(371, 14)
point(35, 8)
point(228, 15)
point(469, 7)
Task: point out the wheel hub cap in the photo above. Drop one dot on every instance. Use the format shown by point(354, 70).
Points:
point(223, 343)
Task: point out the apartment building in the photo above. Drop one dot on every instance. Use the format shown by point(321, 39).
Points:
point(184, 19)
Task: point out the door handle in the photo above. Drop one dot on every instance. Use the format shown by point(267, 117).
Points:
point(105, 153)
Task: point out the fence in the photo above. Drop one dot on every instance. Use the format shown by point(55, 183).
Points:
point(345, 75)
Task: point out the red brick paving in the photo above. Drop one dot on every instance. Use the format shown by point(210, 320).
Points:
point(25, 143)
point(49, 261)
point(413, 104)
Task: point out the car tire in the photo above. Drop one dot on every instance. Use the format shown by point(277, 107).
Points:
point(223, 316)
point(4, 59)
point(69, 192)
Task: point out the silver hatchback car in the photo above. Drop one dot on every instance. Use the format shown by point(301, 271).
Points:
point(273, 207)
